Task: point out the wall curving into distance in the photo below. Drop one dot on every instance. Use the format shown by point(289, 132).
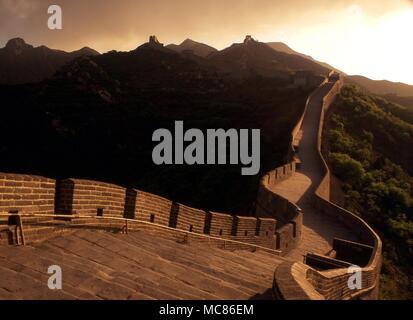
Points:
point(296, 280)
point(333, 284)
point(76, 197)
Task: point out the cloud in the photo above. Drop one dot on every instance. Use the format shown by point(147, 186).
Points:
point(113, 24)
point(18, 8)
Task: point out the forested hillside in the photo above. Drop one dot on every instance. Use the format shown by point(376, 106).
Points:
point(369, 148)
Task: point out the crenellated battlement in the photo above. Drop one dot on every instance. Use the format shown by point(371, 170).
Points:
point(77, 197)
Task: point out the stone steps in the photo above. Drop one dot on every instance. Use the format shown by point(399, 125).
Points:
point(220, 266)
point(22, 286)
point(162, 265)
point(203, 265)
point(130, 272)
point(138, 265)
point(37, 275)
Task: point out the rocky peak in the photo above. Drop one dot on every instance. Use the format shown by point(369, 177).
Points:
point(17, 45)
point(188, 42)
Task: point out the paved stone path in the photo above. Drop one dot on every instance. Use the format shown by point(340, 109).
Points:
point(318, 230)
point(139, 265)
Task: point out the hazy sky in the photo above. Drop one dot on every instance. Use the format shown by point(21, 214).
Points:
point(368, 37)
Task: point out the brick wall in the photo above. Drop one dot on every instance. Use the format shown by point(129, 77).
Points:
point(153, 208)
point(30, 194)
point(266, 232)
point(279, 174)
point(26, 193)
point(85, 197)
point(287, 215)
point(246, 229)
point(284, 237)
point(190, 219)
point(221, 225)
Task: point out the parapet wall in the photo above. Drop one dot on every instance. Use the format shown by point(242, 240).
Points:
point(38, 195)
point(296, 130)
point(190, 219)
point(85, 197)
point(220, 225)
point(31, 194)
point(149, 207)
point(271, 205)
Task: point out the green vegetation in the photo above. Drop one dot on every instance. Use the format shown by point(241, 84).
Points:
point(369, 150)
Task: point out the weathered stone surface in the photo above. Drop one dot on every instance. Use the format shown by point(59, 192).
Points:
point(102, 265)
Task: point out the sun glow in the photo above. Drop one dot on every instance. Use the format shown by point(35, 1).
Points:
point(359, 44)
point(382, 48)
point(392, 39)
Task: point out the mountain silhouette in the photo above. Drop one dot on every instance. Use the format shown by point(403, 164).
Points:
point(382, 87)
point(282, 47)
point(257, 58)
point(22, 63)
point(199, 49)
point(150, 64)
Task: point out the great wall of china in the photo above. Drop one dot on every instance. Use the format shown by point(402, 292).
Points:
point(294, 217)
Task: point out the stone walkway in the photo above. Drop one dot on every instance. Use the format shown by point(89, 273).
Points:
point(318, 230)
point(139, 265)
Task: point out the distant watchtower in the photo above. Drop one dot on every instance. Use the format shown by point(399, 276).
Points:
point(153, 40)
point(248, 39)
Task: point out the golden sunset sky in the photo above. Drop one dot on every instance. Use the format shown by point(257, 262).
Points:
point(368, 37)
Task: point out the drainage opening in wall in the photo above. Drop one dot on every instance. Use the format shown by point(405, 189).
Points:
point(220, 232)
point(99, 212)
point(152, 219)
point(191, 228)
point(13, 218)
point(278, 242)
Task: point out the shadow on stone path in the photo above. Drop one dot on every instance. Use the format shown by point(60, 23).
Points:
point(318, 230)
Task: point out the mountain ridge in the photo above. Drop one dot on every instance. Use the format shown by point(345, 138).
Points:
point(257, 58)
point(200, 49)
point(282, 47)
point(382, 87)
point(23, 63)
